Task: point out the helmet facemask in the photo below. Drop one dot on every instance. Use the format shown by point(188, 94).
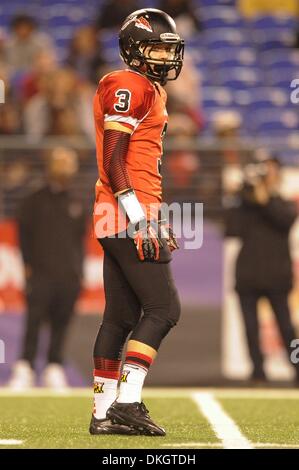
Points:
point(158, 60)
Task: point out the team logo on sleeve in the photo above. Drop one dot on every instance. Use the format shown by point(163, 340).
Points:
point(143, 24)
point(98, 387)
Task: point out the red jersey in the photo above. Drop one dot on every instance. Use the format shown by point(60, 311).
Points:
point(129, 102)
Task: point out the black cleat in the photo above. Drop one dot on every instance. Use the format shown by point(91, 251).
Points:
point(105, 426)
point(134, 415)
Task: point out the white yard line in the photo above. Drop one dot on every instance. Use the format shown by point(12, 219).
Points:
point(214, 445)
point(203, 445)
point(224, 427)
point(160, 392)
point(10, 442)
point(268, 393)
point(270, 445)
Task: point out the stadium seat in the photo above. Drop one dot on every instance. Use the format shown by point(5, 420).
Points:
point(199, 57)
point(289, 156)
point(273, 21)
point(242, 99)
point(207, 3)
point(266, 97)
point(111, 55)
point(109, 39)
point(274, 119)
point(207, 78)
point(281, 76)
point(220, 17)
point(280, 58)
point(240, 78)
point(273, 38)
point(215, 39)
point(194, 41)
point(234, 57)
point(216, 96)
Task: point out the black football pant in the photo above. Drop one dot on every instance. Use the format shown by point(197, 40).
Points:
point(52, 301)
point(280, 308)
point(141, 299)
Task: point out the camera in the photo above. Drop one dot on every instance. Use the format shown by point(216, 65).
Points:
point(253, 174)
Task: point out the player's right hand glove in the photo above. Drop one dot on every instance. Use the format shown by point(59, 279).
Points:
point(146, 235)
point(147, 241)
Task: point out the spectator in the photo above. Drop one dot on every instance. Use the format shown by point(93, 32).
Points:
point(52, 228)
point(9, 119)
point(44, 63)
point(262, 220)
point(180, 100)
point(185, 15)
point(85, 54)
point(227, 126)
point(60, 94)
point(2, 48)
point(185, 123)
point(10, 115)
point(24, 42)
point(114, 12)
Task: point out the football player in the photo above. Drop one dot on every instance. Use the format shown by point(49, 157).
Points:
point(141, 298)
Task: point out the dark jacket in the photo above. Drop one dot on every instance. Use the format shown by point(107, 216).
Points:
point(51, 229)
point(264, 260)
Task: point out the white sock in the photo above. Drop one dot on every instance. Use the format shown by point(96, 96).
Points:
point(131, 383)
point(105, 392)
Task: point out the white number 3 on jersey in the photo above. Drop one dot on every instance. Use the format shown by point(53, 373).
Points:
point(124, 101)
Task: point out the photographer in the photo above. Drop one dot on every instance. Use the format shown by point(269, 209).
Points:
point(262, 220)
point(52, 228)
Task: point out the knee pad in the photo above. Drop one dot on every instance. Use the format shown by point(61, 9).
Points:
point(110, 340)
point(171, 316)
point(156, 323)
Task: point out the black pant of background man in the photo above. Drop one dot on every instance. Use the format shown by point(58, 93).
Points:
point(279, 303)
point(48, 301)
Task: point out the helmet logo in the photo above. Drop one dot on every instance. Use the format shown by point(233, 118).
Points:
point(143, 24)
point(130, 20)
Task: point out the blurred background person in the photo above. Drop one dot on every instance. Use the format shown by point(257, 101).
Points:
point(9, 119)
point(2, 47)
point(51, 228)
point(185, 123)
point(114, 12)
point(85, 54)
point(185, 15)
point(262, 219)
point(44, 62)
point(61, 94)
point(179, 98)
point(221, 162)
point(226, 163)
point(10, 110)
point(24, 42)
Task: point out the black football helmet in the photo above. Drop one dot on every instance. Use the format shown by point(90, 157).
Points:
point(141, 33)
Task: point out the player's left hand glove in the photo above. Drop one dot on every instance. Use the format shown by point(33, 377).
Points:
point(147, 241)
point(169, 235)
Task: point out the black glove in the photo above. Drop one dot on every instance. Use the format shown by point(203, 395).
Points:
point(147, 241)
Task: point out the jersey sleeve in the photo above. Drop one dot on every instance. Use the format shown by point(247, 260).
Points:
point(126, 99)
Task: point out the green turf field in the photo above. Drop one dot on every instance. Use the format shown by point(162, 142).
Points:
point(224, 418)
